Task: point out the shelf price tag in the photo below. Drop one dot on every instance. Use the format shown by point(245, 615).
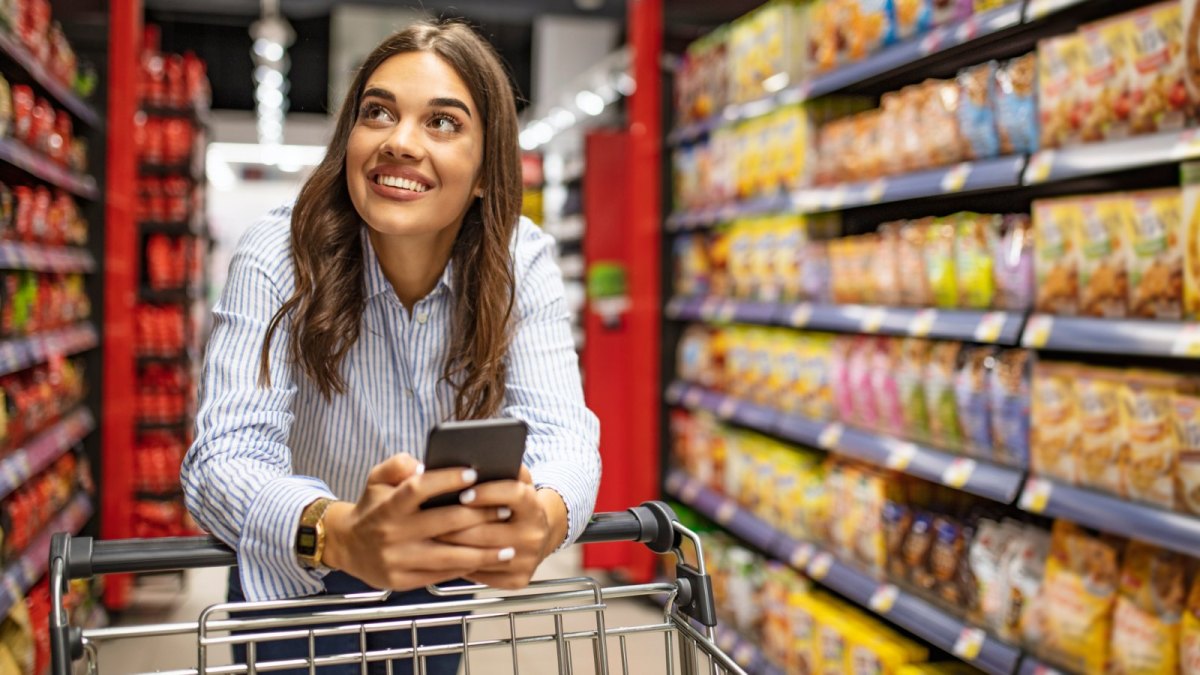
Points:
point(873, 319)
point(674, 392)
point(1037, 331)
point(884, 599)
point(1036, 495)
point(674, 483)
point(836, 199)
point(1188, 145)
point(801, 555)
point(1187, 342)
point(831, 436)
point(1040, 167)
point(958, 473)
point(901, 456)
point(727, 408)
point(689, 491)
point(801, 315)
point(969, 643)
point(876, 190)
point(990, 326)
point(727, 311)
point(691, 397)
point(922, 323)
point(708, 309)
point(932, 42)
point(956, 179)
point(726, 511)
point(819, 567)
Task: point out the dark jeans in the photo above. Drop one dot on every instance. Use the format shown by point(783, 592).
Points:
point(338, 583)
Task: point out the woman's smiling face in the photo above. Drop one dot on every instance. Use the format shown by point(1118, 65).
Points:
point(414, 154)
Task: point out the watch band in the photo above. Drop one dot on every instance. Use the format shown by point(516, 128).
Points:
point(310, 535)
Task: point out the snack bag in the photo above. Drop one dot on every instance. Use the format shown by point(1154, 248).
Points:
point(843, 390)
point(1016, 105)
point(897, 519)
point(1102, 442)
point(824, 35)
point(948, 564)
point(1152, 454)
point(1189, 649)
point(819, 400)
point(885, 385)
point(1191, 228)
point(1023, 569)
point(977, 111)
point(764, 245)
point(1191, 50)
point(1057, 224)
point(913, 17)
point(1059, 78)
point(1105, 87)
point(1012, 265)
point(984, 556)
point(910, 380)
point(1146, 622)
point(915, 554)
point(1055, 422)
point(875, 649)
point(1156, 255)
point(1186, 409)
point(1103, 261)
point(869, 28)
point(943, 137)
point(944, 428)
point(974, 262)
point(885, 265)
point(1079, 593)
point(741, 258)
point(1010, 402)
point(972, 399)
point(720, 278)
point(915, 290)
point(866, 408)
point(939, 262)
point(804, 610)
point(816, 273)
point(1157, 69)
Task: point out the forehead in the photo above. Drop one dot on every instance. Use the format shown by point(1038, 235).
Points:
point(420, 76)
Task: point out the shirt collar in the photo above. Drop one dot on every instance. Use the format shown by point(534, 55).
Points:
point(377, 282)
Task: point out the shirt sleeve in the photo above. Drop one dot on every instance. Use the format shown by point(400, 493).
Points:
point(544, 388)
point(237, 475)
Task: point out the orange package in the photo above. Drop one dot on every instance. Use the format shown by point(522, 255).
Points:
point(1054, 433)
point(1148, 614)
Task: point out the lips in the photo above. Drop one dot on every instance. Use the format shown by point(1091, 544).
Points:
point(400, 178)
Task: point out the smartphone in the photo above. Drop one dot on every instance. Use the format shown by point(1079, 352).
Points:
point(494, 448)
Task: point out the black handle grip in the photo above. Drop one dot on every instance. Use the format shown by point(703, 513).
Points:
point(651, 524)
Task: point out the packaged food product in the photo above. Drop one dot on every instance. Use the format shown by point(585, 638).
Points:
point(915, 290)
point(741, 260)
point(1079, 593)
point(1102, 441)
point(843, 390)
point(1060, 61)
point(1152, 453)
point(1057, 225)
point(910, 376)
point(974, 266)
point(943, 138)
point(1156, 255)
point(885, 266)
point(866, 407)
point(1055, 422)
point(917, 546)
point(1107, 228)
point(1149, 610)
point(1191, 50)
point(869, 28)
point(764, 244)
point(944, 428)
point(948, 563)
point(939, 262)
point(1189, 648)
point(1023, 569)
point(985, 557)
point(886, 385)
point(691, 265)
point(977, 110)
point(1186, 412)
point(1105, 86)
point(1012, 264)
point(897, 519)
point(1191, 236)
point(804, 610)
point(1009, 406)
point(875, 648)
point(972, 399)
point(1016, 105)
point(913, 17)
point(1157, 69)
point(824, 35)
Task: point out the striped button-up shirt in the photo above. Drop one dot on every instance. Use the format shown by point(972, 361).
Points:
point(262, 454)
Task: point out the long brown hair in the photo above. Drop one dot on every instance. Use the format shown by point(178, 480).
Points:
point(327, 307)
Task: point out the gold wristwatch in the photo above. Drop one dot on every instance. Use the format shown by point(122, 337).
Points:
point(310, 536)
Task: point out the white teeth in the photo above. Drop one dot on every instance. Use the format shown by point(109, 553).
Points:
point(402, 183)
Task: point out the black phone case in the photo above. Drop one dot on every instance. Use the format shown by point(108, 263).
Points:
point(494, 448)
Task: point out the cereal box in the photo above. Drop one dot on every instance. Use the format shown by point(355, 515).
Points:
point(1080, 592)
point(1105, 86)
point(1107, 228)
point(1103, 439)
point(1056, 227)
point(1160, 100)
point(1152, 452)
point(1149, 610)
point(1060, 62)
point(1156, 255)
point(1191, 239)
point(1055, 422)
point(1186, 412)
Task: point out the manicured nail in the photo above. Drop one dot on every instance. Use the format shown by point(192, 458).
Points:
point(420, 469)
point(469, 476)
point(507, 554)
point(504, 512)
point(467, 496)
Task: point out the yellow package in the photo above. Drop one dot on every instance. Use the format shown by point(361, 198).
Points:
point(1146, 622)
point(1156, 255)
point(1152, 453)
point(944, 668)
point(762, 260)
point(1107, 228)
point(1186, 412)
point(1105, 85)
point(1189, 640)
point(791, 152)
point(939, 262)
point(1056, 227)
point(835, 629)
point(1191, 239)
point(818, 355)
point(741, 258)
point(763, 367)
point(1061, 64)
point(877, 650)
point(1157, 69)
point(1055, 422)
point(978, 237)
point(737, 361)
point(1079, 591)
point(1102, 442)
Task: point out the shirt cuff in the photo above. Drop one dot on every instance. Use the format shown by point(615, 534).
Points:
point(576, 492)
point(267, 562)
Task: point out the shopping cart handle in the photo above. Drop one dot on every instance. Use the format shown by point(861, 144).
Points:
point(652, 523)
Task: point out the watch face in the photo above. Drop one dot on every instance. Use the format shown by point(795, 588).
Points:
point(306, 540)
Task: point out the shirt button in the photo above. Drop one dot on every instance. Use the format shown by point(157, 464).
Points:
point(422, 317)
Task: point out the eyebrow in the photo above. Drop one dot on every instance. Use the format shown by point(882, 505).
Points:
point(441, 102)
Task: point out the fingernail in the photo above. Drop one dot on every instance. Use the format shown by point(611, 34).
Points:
point(467, 496)
point(469, 476)
point(420, 469)
point(507, 554)
point(504, 512)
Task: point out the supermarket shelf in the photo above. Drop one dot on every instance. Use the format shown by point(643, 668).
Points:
point(38, 165)
point(1113, 336)
point(1002, 328)
point(1095, 159)
point(987, 174)
point(59, 91)
point(760, 206)
point(976, 476)
point(1174, 531)
point(23, 463)
point(907, 611)
point(39, 258)
point(20, 353)
point(22, 573)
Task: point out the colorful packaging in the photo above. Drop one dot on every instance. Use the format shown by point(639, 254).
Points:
point(913, 17)
point(1186, 409)
point(1105, 87)
point(1191, 220)
point(943, 138)
point(944, 428)
point(843, 389)
point(824, 35)
point(1057, 224)
point(1147, 618)
point(974, 263)
point(1055, 422)
point(1157, 69)
point(939, 263)
point(1191, 50)
point(866, 408)
point(885, 266)
point(948, 564)
point(885, 384)
point(1102, 442)
point(1156, 255)
point(1060, 79)
point(875, 648)
point(1107, 228)
point(1151, 456)
point(691, 265)
point(972, 399)
point(762, 260)
point(914, 360)
point(1012, 264)
point(1023, 570)
point(1016, 105)
point(897, 520)
point(976, 111)
point(1010, 406)
point(1189, 650)
point(869, 28)
point(915, 554)
point(915, 290)
point(1080, 591)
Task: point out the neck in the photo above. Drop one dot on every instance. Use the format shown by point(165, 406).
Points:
point(413, 265)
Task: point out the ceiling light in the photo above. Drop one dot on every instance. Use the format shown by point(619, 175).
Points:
point(542, 132)
point(527, 141)
point(590, 102)
point(626, 84)
point(562, 118)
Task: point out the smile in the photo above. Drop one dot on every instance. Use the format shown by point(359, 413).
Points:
point(401, 183)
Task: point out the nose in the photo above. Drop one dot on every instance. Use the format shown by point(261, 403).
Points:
point(405, 141)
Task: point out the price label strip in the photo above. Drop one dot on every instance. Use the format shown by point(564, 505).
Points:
point(820, 565)
point(991, 325)
point(831, 436)
point(1037, 331)
point(956, 179)
point(1187, 342)
point(959, 473)
point(1036, 496)
point(884, 599)
point(969, 643)
point(901, 457)
point(922, 324)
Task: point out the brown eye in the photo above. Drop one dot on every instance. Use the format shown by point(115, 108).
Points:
point(445, 124)
point(373, 112)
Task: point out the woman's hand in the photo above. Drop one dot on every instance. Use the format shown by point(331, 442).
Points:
point(537, 526)
point(388, 542)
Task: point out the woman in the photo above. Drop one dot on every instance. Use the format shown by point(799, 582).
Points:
point(402, 289)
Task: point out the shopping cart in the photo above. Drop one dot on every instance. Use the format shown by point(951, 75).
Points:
point(686, 629)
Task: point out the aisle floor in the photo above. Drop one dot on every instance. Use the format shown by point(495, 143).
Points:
point(646, 654)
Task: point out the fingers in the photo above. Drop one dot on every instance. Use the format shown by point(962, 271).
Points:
point(447, 521)
point(518, 496)
point(433, 557)
point(419, 488)
point(395, 470)
point(488, 535)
